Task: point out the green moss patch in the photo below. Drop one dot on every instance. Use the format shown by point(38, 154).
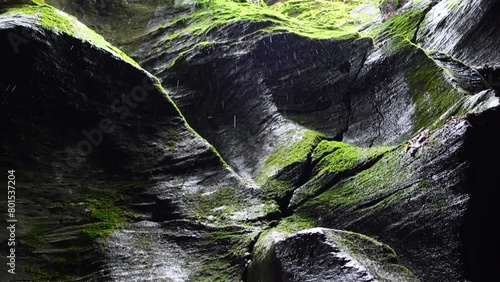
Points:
point(432, 93)
point(224, 205)
point(293, 152)
point(312, 18)
point(293, 224)
point(58, 21)
point(228, 249)
point(333, 161)
point(337, 157)
point(319, 19)
point(106, 215)
point(328, 15)
point(34, 237)
point(405, 25)
point(380, 259)
point(277, 189)
point(380, 181)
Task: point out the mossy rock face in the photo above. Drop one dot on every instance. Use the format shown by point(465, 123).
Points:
point(340, 86)
point(404, 90)
point(47, 17)
point(324, 255)
point(400, 195)
point(93, 153)
point(121, 22)
point(330, 117)
point(333, 161)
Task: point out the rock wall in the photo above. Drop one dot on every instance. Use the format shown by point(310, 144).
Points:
point(238, 127)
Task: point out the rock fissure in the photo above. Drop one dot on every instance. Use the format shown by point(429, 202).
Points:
point(339, 178)
point(293, 96)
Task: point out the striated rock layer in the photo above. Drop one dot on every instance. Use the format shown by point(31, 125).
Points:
point(357, 117)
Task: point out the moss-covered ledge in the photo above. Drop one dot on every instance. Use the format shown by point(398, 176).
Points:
point(323, 254)
point(36, 13)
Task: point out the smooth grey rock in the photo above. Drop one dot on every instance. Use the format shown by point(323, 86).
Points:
point(468, 30)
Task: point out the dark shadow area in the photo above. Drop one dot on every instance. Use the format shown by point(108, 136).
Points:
point(480, 229)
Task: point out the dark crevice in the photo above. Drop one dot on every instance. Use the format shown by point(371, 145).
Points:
point(479, 233)
point(347, 99)
point(379, 128)
point(251, 247)
point(284, 202)
point(361, 65)
point(348, 104)
point(491, 73)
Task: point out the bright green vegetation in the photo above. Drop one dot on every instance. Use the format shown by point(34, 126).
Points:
point(434, 97)
point(106, 215)
point(291, 153)
point(365, 246)
point(238, 241)
point(287, 157)
point(277, 189)
point(337, 157)
point(293, 224)
point(58, 21)
point(228, 205)
point(321, 19)
point(263, 264)
point(354, 190)
point(330, 159)
point(404, 25)
point(312, 18)
point(334, 159)
point(217, 270)
point(328, 15)
point(380, 181)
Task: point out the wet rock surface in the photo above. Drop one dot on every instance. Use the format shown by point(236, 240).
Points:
point(464, 29)
point(98, 146)
point(324, 255)
point(385, 125)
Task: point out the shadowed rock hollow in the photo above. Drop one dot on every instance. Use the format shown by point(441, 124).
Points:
point(302, 141)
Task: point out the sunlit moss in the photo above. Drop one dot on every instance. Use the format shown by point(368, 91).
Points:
point(58, 21)
point(404, 25)
point(319, 19)
point(335, 157)
point(300, 17)
point(333, 161)
point(293, 152)
point(365, 185)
